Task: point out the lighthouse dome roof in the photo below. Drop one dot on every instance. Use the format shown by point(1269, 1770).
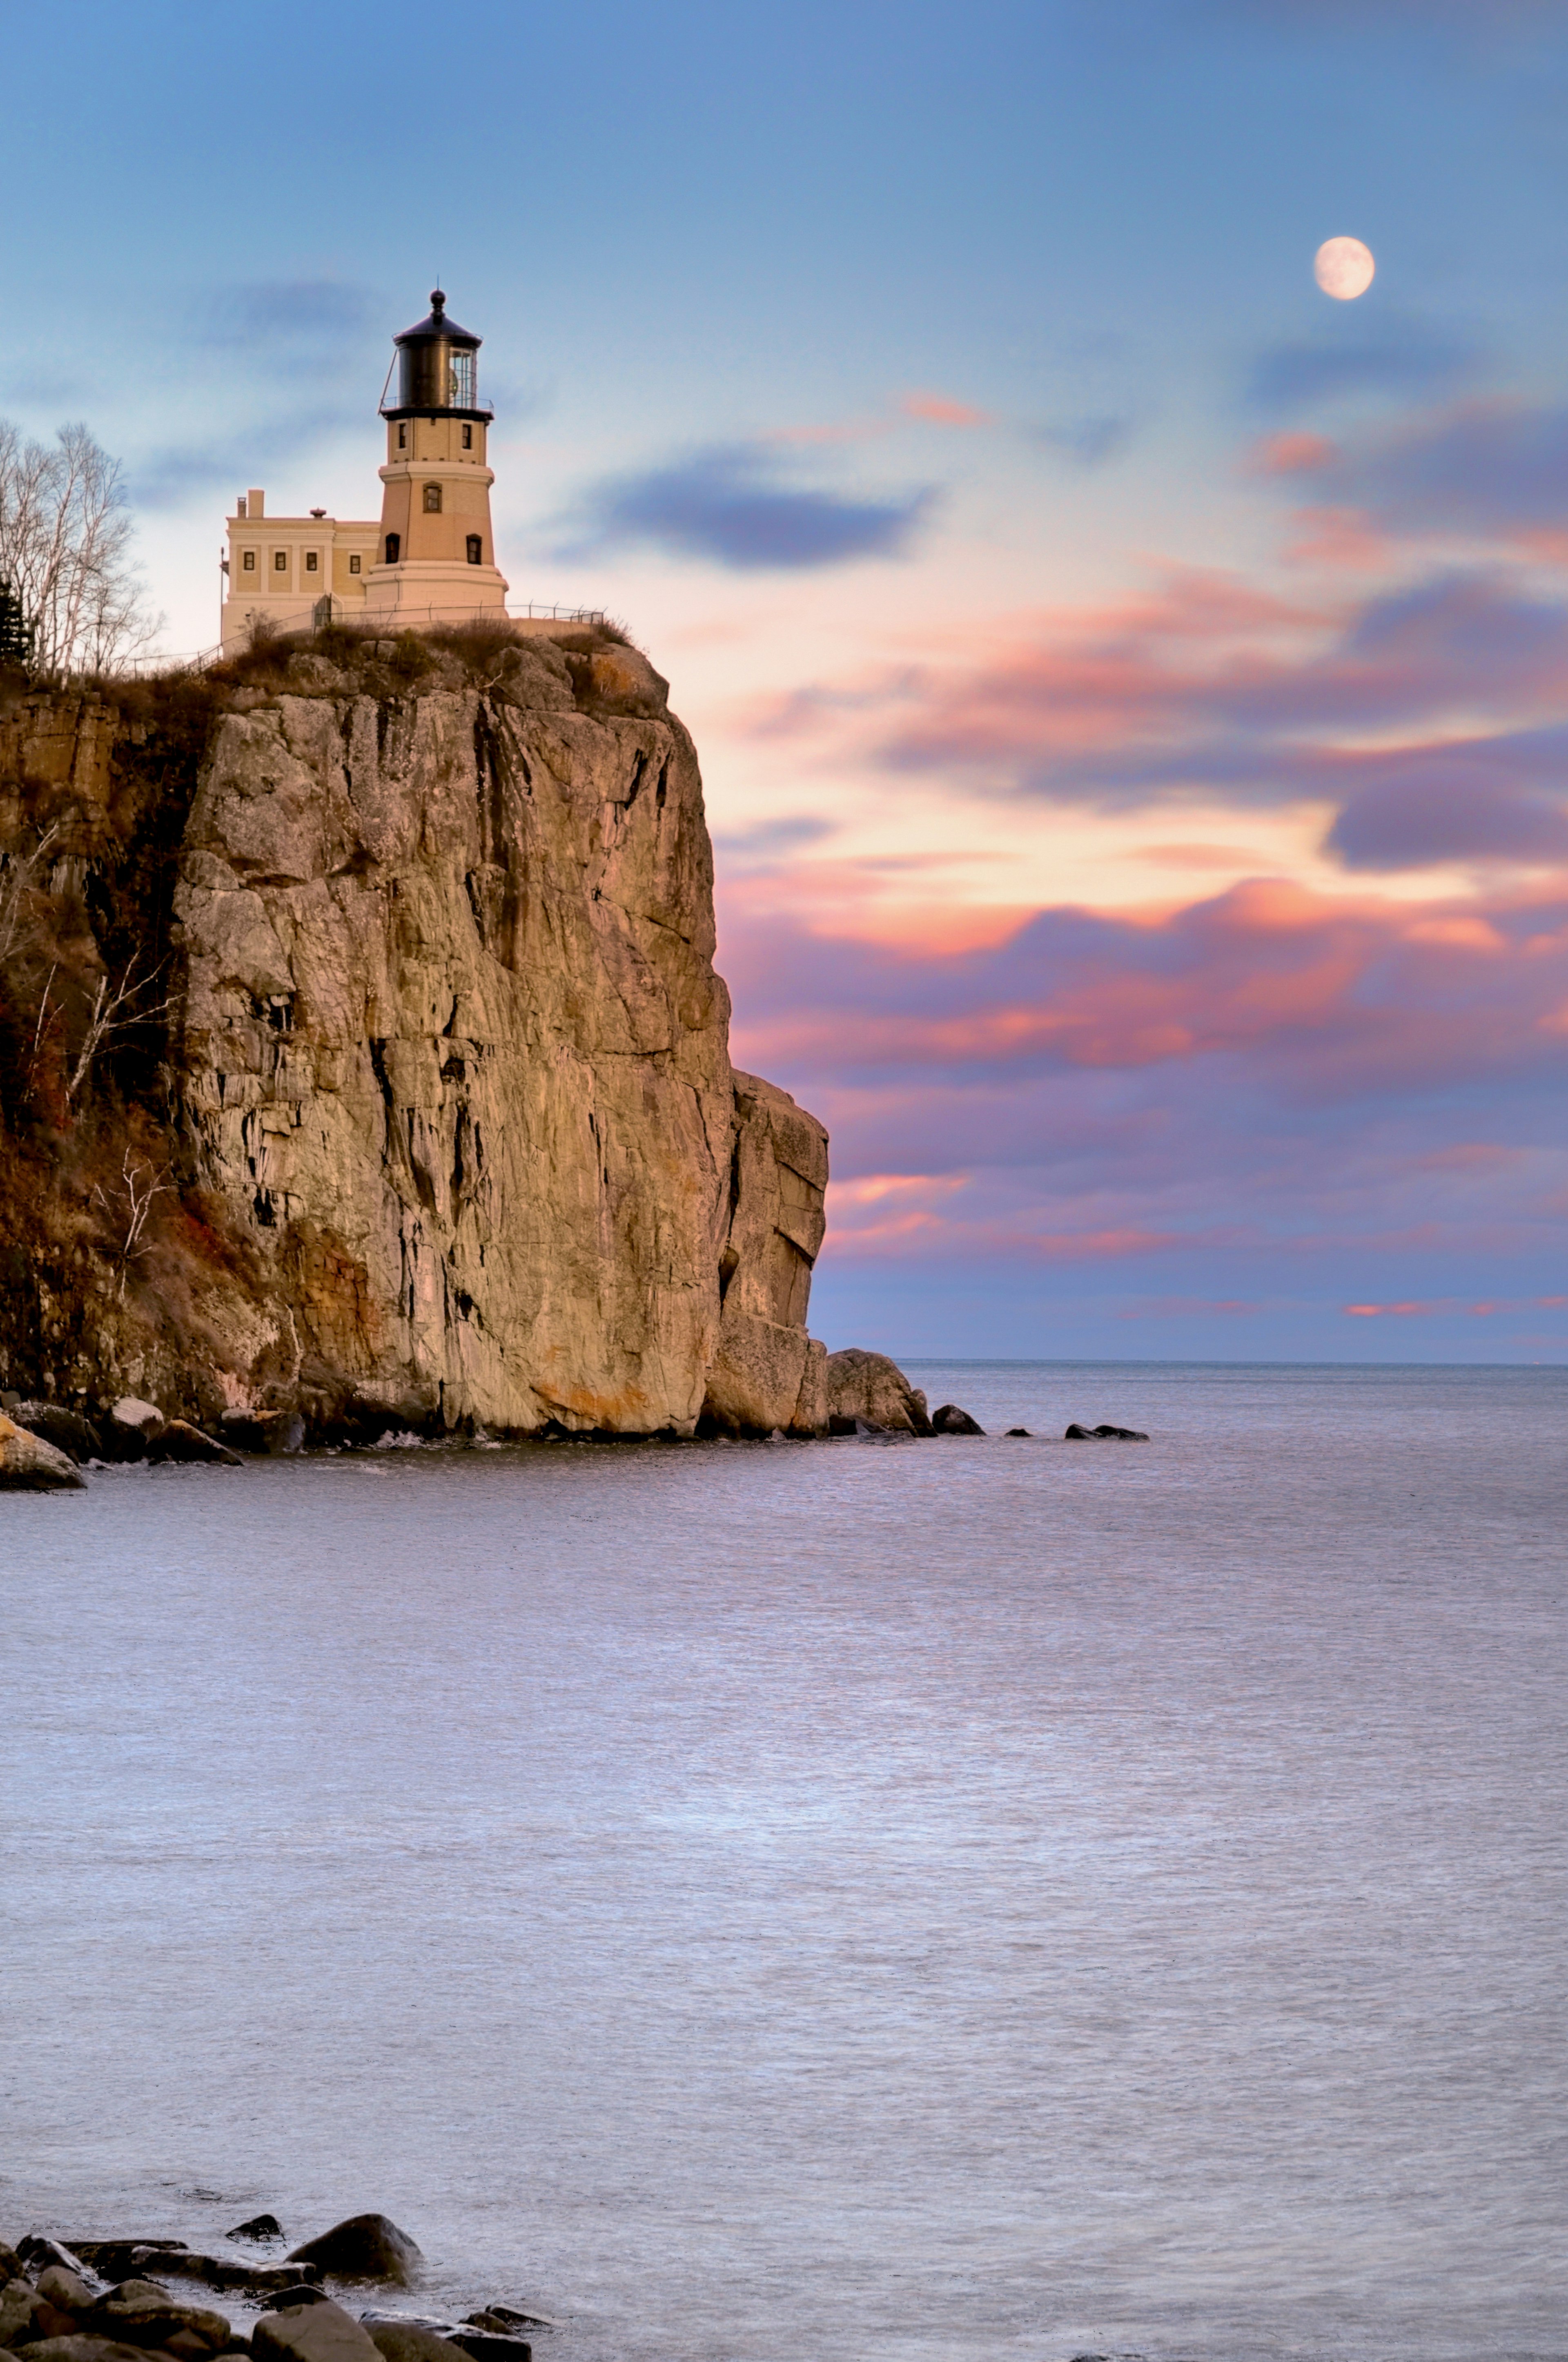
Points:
point(436, 328)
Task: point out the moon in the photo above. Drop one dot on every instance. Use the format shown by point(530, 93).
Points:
point(1342, 267)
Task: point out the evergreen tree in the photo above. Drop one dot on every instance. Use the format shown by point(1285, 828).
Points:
point(16, 632)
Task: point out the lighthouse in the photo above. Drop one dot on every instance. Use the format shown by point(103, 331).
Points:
point(431, 558)
point(436, 560)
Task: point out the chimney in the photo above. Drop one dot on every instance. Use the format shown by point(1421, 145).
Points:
point(257, 504)
point(239, 506)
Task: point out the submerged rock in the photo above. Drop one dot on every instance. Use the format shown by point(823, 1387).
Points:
point(117, 2259)
point(872, 1388)
point(363, 2247)
point(951, 1421)
point(260, 2226)
point(1104, 1434)
point(29, 1464)
point(1017, 1430)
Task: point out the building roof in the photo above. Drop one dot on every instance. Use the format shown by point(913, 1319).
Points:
point(436, 328)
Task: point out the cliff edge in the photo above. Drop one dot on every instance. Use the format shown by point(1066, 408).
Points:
point(363, 1060)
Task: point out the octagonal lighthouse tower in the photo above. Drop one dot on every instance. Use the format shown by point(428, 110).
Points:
point(435, 562)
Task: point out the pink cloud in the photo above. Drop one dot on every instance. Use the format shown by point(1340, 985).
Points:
point(940, 409)
point(1378, 1311)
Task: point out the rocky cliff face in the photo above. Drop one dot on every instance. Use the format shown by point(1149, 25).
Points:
point(426, 1071)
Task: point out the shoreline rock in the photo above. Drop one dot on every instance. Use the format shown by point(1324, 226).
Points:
point(29, 1464)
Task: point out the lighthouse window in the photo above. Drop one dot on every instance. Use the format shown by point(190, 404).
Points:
point(394, 548)
point(354, 563)
point(476, 550)
point(432, 499)
point(279, 561)
point(403, 438)
point(312, 562)
point(468, 438)
point(462, 381)
point(248, 561)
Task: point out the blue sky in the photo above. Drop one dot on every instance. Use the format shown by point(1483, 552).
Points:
point(1132, 688)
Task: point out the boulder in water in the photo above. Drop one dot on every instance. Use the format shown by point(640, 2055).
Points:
point(871, 1388)
point(130, 1428)
point(1104, 1434)
point(261, 2226)
point(951, 1421)
point(178, 1440)
point(29, 1464)
point(1017, 1430)
point(364, 2247)
point(67, 1430)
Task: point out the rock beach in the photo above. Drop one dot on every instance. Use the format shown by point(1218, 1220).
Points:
point(52, 2308)
point(410, 2341)
point(320, 2332)
point(146, 2313)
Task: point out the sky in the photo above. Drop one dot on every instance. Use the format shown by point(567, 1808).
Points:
point(1132, 686)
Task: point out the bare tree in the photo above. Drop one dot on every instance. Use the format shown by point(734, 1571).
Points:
point(65, 549)
point(113, 1010)
point(139, 1185)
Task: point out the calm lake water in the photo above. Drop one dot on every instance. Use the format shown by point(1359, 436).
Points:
point(856, 1902)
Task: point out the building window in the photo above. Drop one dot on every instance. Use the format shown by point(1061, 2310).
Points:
point(432, 499)
point(476, 550)
point(248, 561)
point(354, 563)
point(468, 438)
point(462, 381)
point(279, 561)
point(312, 562)
point(402, 437)
point(394, 548)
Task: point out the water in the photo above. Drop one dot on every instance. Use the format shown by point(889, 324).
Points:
point(856, 1902)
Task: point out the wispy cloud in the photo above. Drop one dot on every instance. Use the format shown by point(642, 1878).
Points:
point(286, 312)
point(1352, 356)
point(1089, 442)
point(735, 505)
point(178, 475)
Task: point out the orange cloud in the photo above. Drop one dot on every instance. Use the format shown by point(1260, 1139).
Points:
point(939, 410)
point(1377, 1311)
point(1290, 454)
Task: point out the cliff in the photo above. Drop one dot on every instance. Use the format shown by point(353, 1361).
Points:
point(363, 1060)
